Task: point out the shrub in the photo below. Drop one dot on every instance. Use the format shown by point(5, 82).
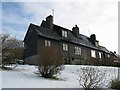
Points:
point(91, 78)
point(50, 62)
point(115, 84)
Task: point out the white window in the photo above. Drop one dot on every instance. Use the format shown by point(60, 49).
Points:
point(47, 43)
point(64, 33)
point(93, 54)
point(65, 47)
point(77, 50)
point(108, 56)
point(100, 55)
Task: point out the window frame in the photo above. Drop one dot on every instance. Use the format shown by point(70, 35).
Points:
point(100, 55)
point(64, 33)
point(93, 53)
point(77, 50)
point(108, 56)
point(47, 43)
point(65, 47)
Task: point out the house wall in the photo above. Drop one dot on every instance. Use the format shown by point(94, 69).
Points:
point(72, 58)
point(31, 60)
point(41, 43)
point(35, 43)
point(30, 44)
point(69, 56)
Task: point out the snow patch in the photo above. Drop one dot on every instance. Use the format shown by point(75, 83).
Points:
point(24, 76)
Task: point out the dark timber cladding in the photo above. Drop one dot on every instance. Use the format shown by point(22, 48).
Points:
point(77, 48)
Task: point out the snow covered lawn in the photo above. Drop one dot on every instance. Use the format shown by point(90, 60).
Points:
point(24, 76)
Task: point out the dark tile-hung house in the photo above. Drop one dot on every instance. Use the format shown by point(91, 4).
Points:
point(76, 48)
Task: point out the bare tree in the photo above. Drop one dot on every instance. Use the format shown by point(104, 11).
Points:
point(91, 78)
point(50, 62)
point(12, 49)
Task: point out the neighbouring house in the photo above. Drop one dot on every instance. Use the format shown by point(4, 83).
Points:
point(76, 48)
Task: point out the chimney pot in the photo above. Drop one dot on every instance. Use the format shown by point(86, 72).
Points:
point(49, 21)
point(93, 39)
point(75, 30)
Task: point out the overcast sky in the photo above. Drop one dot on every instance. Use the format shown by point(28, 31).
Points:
point(98, 17)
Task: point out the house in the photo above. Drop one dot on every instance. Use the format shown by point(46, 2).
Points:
point(76, 48)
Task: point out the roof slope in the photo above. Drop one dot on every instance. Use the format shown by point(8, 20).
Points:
point(83, 40)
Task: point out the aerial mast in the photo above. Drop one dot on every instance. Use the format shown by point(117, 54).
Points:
point(53, 14)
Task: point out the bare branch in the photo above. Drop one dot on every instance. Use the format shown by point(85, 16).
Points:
point(91, 77)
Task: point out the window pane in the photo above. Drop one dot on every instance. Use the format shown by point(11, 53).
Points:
point(45, 42)
point(77, 50)
point(49, 43)
point(66, 47)
point(108, 55)
point(63, 33)
point(93, 54)
point(100, 55)
point(63, 46)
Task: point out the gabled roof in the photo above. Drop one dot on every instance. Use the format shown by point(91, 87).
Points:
point(45, 32)
point(82, 40)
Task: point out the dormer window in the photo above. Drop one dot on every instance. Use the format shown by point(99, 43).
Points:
point(64, 33)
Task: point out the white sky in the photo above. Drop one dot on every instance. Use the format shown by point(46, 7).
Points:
point(92, 16)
